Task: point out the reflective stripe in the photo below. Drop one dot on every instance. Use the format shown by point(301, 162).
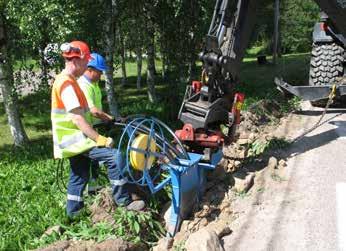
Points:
point(74, 197)
point(63, 111)
point(72, 140)
point(119, 182)
point(58, 111)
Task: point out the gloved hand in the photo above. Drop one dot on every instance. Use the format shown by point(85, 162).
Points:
point(120, 119)
point(104, 142)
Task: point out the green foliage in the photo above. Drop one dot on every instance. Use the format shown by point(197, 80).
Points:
point(137, 226)
point(260, 146)
point(180, 246)
point(297, 22)
point(79, 230)
point(291, 104)
point(29, 203)
point(277, 177)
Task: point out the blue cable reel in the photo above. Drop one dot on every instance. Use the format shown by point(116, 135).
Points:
point(155, 157)
point(149, 150)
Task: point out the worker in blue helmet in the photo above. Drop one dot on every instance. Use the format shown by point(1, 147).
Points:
point(89, 84)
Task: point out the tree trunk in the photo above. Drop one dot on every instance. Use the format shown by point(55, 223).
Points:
point(109, 29)
point(164, 73)
point(43, 63)
point(192, 66)
point(44, 68)
point(276, 30)
point(123, 61)
point(6, 87)
point(151, 64)
point(139, 66)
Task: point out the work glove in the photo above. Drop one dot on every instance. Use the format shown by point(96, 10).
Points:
point(120, 119)
point(104, 142)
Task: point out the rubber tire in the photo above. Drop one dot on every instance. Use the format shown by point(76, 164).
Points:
point(326, 64)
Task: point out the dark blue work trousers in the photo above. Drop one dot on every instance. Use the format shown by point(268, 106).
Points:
point(80, 175)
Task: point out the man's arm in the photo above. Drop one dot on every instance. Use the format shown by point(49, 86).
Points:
point(72, 105)
point(79, 120)
point(100, 114)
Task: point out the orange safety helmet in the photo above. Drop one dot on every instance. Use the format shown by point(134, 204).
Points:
point(75, 49)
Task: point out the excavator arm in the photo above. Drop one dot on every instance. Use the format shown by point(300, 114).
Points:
point(212, 101)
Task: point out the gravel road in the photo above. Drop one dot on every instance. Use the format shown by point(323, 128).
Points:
point(306, 208)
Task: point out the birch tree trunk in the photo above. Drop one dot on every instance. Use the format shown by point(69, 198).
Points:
point(151, 64)
point(109, 29)
point(43, 63)
point(164, 64)
point(276, 30)
point(123, 61)
point(6, 87)
point(139, 66)
point(44, 68)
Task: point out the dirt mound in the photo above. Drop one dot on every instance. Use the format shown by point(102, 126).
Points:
point(114, 244)
point(103, 207)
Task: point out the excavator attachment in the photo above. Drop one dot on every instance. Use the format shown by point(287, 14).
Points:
point(210, 105)
point(312, 93)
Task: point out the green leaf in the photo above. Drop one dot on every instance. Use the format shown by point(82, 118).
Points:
point(136, 227)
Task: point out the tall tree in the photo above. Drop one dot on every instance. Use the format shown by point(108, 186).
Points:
point(6, 86)
point(139, 66)
point(276, 30)
point(151, 64)
point(133, 31)
point(150, 47)
point(110, 10)
point(122, 51)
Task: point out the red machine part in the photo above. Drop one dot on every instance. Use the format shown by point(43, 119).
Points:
point(203, 137)
point(324, 26)
point(237, 105)
point(196, 86)
point(200, 136)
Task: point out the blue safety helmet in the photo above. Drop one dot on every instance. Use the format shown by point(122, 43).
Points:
point(98, 62)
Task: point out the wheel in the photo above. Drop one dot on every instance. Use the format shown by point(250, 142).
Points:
point(326, 65)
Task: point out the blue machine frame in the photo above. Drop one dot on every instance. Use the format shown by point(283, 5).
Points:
point(186, 174)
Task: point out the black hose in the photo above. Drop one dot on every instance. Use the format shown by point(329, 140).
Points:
point(59, 176)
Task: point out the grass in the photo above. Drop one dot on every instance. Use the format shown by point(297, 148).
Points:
point(30, 200)
point(258, 80)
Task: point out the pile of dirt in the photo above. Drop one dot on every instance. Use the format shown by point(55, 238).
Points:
point(103, 208)
point(114, 244)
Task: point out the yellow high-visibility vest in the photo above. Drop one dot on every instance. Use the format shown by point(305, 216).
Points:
point(93, 95)
point(68, 139)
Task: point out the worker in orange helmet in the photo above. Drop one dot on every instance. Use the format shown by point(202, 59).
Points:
point(74, 137)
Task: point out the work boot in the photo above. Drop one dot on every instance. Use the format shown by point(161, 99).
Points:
point(137, 205)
